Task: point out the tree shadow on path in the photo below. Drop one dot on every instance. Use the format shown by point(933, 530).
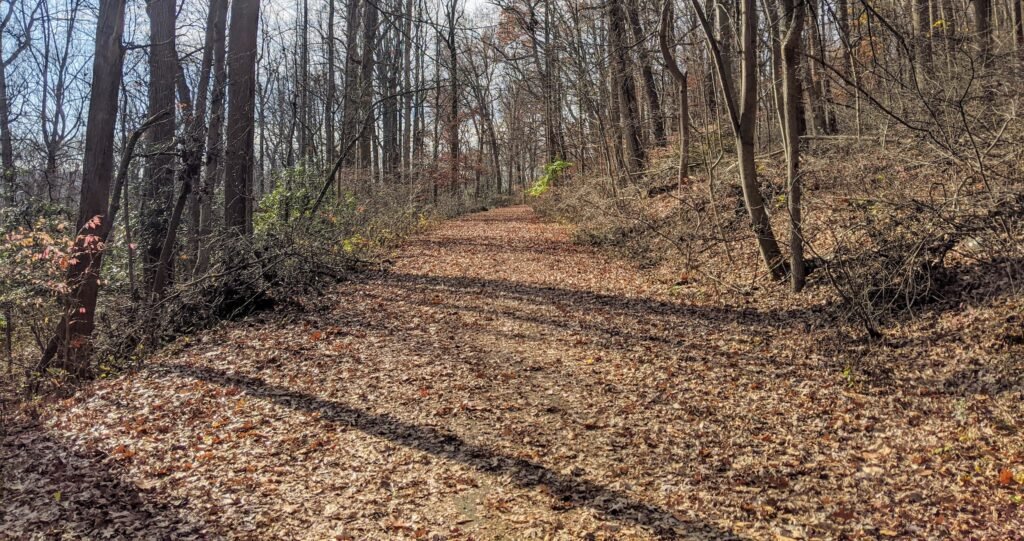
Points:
point(611, 504)
point(53, 489)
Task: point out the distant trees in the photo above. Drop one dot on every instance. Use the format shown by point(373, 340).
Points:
point(15, 22)
point(296, 115)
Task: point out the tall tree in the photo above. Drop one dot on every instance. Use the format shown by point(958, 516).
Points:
point(742, 109)
point(160, 165)
point(452, 15)
point(329, 105)
point(625, 91)
point(71, 340)
point(922, 39)
point(370, 19)
point(23, 39)
point(350, 105)
point(194, 141)
point(681, 77)
point(213, 167)
point(983, 30)
point(647, 73)
point(790, 34)
point(239, 155)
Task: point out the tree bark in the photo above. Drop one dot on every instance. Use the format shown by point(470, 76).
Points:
point(453, 89)
point(71, 340)
point(983, 30)
point(370, 15)
point(160, 166)
point(239, 155)
point(213, 167)
point(743, 114)
point(793, 16)
point(682, 80)
point(629, 112)
point(9, 172)
point(650, 88)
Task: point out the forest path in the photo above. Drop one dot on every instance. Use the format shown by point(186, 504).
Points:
point(500, 382)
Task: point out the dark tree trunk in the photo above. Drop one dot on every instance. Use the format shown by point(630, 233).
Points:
point(370, 15)
point(742, 109)
point(163, 69)
point(650, 88)
point(71, 340)
point(350, 105)
point(622, 77)
point(213, 168)
point(239, 154)
point(791, 35)
point(682, 79)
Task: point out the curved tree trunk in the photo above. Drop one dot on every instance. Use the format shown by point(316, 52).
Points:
point(743, 114)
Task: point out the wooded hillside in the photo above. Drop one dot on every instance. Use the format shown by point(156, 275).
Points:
point(597, 269)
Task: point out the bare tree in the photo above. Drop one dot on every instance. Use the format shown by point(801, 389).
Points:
point(625, 90)
point(791, 32)
point(682, 81)
point(647, 73)
point(743, 114)
point(22, 39)
point(160, 166)
point(241, 71)
point(71, 340)
point(213, 167)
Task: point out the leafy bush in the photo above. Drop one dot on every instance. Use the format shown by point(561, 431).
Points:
point(551, 173)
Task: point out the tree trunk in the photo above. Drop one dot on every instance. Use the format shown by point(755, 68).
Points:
point(214, 136)
point(10, 174)
point(650, 89)
point(1018, 33)
point(407, 120)
point(682, 80)
point(304, 104)
point(743, 114)
point(331, 87)
point(159, 190)
point(72, 336)
point(241, 62)
point(370, 14)
point(629, 112)
point(793, 15)
point(196, 128)
point(350, 105)
point(922, 40)
point(983, 30)
point(453, 89)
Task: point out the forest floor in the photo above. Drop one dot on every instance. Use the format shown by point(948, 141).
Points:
point(501, 382)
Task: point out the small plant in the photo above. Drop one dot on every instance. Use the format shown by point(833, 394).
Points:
point(551, 174)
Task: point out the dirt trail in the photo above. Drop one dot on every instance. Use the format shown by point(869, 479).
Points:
point(500, 382)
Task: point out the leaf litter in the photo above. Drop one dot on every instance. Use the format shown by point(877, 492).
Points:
point(501, 382)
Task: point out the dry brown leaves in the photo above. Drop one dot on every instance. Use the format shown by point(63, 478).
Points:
point(503, 383)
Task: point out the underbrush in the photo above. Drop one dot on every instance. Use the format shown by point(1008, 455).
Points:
point(296, 253)
point(889, 231)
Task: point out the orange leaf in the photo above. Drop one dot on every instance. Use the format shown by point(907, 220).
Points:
point(317, 335)
point(1005, 476)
